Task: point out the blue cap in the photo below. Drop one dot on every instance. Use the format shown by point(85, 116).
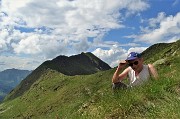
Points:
point(133, 55)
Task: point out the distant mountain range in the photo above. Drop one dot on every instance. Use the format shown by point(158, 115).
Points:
point(9, 79)
point(81, 64)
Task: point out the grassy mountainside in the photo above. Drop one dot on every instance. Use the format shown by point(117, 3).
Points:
point(161, 52)
point(9, 79)
point(55, 95)
point(82, 64)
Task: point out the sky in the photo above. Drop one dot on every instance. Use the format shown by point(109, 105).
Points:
point(33, 31)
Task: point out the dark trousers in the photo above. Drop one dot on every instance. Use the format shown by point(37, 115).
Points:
point(119, 85)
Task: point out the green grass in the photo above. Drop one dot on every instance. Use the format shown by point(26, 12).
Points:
point(90, 96)
point(56, 95)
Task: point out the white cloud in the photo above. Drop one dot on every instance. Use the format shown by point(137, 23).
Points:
point(137, 49)
point(135, 6)
point(60, 27)
point(153, 22)
point(81, 46)
point(48, 47)
point(165, 29)
point(19, 62)
point(2, 45)
point(111, 56)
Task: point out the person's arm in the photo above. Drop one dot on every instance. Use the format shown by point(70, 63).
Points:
point(117, 76)
point(153, 71)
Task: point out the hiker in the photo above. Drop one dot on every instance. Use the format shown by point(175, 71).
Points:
point(137, 72)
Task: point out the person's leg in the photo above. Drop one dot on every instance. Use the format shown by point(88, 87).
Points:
point(119, 85)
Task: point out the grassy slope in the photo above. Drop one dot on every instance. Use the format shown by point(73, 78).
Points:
point(90, 96)
point(82, 64)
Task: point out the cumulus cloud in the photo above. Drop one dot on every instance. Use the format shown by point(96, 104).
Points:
point(161, 29)
point(37, 44)
point(2, 45)
point(154, 22)
point(137, 49)
point(112, 56)
point(60, 27)
point(135, 5)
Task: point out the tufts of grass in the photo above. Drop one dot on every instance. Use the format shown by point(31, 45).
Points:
point(91, 96)
point(55, 95)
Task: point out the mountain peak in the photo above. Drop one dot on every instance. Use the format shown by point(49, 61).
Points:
point(81, 64)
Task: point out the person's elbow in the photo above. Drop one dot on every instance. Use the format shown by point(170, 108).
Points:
point(114, 80)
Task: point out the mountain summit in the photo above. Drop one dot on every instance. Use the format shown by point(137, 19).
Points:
point(81, 64)
point(84, 63)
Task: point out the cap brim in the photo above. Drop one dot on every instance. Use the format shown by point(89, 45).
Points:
point(132, 58)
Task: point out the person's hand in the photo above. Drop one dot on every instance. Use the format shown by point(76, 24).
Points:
point(122, 64)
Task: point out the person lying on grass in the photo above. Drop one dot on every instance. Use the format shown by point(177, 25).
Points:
point(137, 72)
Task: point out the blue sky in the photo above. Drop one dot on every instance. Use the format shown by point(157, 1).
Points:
point(33, 31)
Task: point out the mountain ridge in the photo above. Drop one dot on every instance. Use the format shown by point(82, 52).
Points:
point(67, 65)
point(55, 95)
point(165, 50)
point(81, 64)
